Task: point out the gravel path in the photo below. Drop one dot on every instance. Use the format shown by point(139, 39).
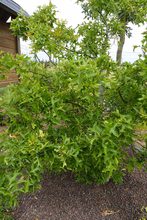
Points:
point(61, 198)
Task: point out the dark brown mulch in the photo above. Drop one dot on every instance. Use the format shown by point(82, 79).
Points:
point(61, 198)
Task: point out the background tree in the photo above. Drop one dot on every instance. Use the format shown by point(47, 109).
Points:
point(46, 32)
point(116, 17)
point(94, 40)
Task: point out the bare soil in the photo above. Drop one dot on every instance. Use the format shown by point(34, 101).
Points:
point(62, 198)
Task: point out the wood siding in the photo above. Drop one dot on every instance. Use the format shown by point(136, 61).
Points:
point(7, 40)
point(12, 78)
point(8, 43)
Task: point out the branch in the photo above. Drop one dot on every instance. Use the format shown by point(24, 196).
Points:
point(37, 58)
point(126, 102)
point(76, 104)
point(50, 60)
point(79, 52)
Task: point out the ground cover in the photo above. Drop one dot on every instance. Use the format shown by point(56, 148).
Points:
point(62, 198)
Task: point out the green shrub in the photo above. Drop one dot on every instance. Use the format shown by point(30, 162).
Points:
point(70, 117)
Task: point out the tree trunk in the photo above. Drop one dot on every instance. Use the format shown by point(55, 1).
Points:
point(121, 40)
point(120, 47)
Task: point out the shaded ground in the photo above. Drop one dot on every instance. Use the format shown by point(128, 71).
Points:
point(61, 198)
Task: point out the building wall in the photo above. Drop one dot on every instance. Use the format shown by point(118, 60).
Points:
point(8, 43)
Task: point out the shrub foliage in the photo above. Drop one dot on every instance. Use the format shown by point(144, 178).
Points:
point(78, 116)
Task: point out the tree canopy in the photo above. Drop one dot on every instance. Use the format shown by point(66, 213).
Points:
point(115, 17)
point(46, 32)
point(104, 20)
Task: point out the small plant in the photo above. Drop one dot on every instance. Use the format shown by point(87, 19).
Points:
point(144, 213)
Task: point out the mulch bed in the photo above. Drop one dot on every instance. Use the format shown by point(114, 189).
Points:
point(62, 198)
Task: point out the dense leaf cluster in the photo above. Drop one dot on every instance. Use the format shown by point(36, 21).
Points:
point(46, 32)
point(79, 116)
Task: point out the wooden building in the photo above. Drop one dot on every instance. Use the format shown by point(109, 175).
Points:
point(8, 42)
